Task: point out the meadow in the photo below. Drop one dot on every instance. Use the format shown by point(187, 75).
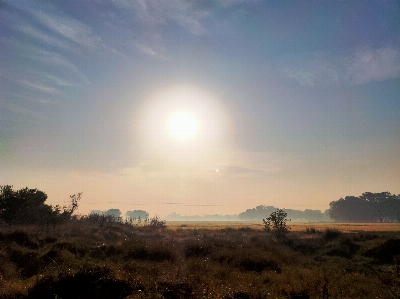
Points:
point(88, 258)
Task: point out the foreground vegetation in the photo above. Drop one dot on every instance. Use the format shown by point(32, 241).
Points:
point(97, 258)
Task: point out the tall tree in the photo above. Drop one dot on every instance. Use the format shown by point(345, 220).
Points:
point(369, 207)
point(22, 206)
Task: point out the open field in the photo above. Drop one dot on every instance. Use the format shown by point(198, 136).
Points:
point(230, 260)
point(294, 226)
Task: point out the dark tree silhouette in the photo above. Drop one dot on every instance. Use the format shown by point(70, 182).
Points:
point(277, 221)
point(27, 206)
point(369, 207)
point(22, 206)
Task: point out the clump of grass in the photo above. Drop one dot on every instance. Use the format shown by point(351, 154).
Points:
point(387, 252)
point(311, 231)
point(95, 282)
point(331, 234)
point(197, 250)
point(346, 249)
point(22, 238)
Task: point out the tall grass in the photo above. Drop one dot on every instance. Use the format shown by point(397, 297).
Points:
point(99, 259)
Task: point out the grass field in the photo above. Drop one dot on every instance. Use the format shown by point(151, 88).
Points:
point(228, 260)
point(294, 226)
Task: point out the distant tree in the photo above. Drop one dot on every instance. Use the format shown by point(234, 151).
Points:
point(113, 212)
point(257, 213)
point(96, 212)
point(369, 207)
point(137, 214)
point(277, 222)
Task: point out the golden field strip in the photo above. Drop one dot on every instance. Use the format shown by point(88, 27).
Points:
point(294, 226)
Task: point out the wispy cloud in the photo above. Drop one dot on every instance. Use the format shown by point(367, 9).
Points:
point(310, 69)
point(70, 29)
point(43, 37)
point(363, 66)
point(56, 60)
point(153, 17)
point(145, 48)
point(40, 87)
point(374, 65)
point(60, 30)
point(156, 13)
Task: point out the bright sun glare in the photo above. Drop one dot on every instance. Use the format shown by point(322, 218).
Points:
point(183, 125)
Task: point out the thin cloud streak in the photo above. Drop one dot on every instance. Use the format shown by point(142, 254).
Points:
point(40, 87)
point(46, 38)
point(70, 29)
point(363, 66)
point(374, 65)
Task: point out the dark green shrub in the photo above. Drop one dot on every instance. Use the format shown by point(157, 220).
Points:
point(331, 234)
point(87, 283)
point(277, 222)
point(103, 252)
point(140, 251)
point(74, 248)
point(306, 248)
point(386, 252)
point(26, 260)
point(258, 265)
point(21, 238)
point(346, 249)
point(197, 250)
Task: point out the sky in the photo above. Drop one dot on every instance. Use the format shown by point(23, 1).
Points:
point(200, 107)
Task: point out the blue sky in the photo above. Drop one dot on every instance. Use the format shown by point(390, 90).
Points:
point(297, 102)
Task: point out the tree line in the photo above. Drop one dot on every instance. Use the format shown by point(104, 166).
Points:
point(129, 215)
point(27, 206)
point(368, 207)
point(259, 213)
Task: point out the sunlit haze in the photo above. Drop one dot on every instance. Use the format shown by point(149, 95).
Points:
point(183, 124)
point(200, 107)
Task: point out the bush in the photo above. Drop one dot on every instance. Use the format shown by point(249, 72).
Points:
point(331, 234)
point(277, 220)
point(386, 252)
point(87, 283)
point(155, 222)
point(311, 231)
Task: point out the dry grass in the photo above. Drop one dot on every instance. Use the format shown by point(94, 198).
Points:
point(199, 260)
point(294, 226)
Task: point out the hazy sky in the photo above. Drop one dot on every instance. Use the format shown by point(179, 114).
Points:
point(210, 106)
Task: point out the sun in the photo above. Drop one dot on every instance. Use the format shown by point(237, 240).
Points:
point(183, 125)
